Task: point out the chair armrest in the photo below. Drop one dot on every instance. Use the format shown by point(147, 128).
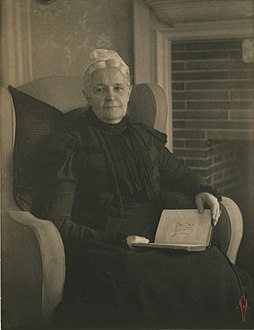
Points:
point(229, 230)
point(236, 227)
point(33, 269)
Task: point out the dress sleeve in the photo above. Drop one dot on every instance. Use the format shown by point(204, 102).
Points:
point(64, 176)
point(177, 177)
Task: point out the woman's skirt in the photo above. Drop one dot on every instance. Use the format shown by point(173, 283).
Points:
point(109, 287)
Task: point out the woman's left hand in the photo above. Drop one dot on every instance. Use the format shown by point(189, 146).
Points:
point(212, 202)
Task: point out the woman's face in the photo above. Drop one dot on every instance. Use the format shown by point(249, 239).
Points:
point(109, 95)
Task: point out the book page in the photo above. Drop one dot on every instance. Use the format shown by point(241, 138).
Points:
point(185, 227)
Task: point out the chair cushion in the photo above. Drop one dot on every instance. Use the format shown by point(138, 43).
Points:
point(35, 121)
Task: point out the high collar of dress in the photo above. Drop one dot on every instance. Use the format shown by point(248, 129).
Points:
point(107, 128)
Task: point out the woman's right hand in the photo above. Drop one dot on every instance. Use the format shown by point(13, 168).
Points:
point(136, 239)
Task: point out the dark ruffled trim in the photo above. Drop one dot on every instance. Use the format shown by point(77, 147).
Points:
point(160, 139)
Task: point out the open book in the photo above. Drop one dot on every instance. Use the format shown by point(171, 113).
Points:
point(182, 229)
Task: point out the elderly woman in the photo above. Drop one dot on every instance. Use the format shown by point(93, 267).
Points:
point(108, 176)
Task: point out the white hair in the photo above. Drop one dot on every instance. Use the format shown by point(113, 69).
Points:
point(103, 64)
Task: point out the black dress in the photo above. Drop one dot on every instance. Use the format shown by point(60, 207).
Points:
point(107, 184)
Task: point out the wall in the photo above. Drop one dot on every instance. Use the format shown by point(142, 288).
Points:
point(213, 100)
point(213, 120)
point(64, 32)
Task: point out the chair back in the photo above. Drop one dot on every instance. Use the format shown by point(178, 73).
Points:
point(65, 94)
point(147, 102)
point(8, 126)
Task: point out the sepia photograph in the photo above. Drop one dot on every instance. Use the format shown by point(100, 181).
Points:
point(127, 164)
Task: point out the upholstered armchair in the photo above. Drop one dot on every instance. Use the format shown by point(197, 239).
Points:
point(33, 259)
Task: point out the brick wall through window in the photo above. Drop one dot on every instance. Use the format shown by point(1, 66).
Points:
point(213, 109)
